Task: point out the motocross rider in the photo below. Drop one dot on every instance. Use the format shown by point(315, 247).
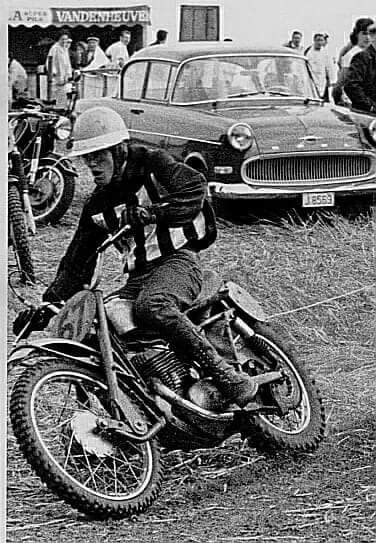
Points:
point(162, 262)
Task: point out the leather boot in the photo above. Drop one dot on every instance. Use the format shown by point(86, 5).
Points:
point(237, 386)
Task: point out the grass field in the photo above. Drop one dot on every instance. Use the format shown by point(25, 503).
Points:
point(232, 493)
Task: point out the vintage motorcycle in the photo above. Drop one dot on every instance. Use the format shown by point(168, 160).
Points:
point(99, 401)
point(20, 216)
point(51, 176)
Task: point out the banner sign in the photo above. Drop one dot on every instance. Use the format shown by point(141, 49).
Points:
point(30, 17)
point(128, 16)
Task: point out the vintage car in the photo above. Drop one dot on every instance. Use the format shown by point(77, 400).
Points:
point(250, 118)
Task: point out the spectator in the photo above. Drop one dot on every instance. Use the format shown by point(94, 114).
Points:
point(161, 38)
point(17, 80)
point(360, 83)
point(96, 57)
point(61, 68)
point(359, 39)
point(345, 49)
point(295, 42)
point(79, 55)
point(119, 49)
point(321, 65)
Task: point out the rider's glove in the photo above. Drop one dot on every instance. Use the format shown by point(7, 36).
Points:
point(140, 216)
point(36, 317)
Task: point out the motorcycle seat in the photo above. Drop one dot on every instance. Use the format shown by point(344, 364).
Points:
point(120, 311)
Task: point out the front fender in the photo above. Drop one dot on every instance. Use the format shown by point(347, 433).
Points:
point(55, 159)
point(57, 347)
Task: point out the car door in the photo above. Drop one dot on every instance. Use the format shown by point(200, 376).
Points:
point(148, 123)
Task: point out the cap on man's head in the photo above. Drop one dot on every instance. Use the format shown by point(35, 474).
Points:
point(93, 38)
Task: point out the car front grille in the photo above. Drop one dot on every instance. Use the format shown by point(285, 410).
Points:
point(305, 169)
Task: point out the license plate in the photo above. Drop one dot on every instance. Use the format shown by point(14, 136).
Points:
point(318, 199)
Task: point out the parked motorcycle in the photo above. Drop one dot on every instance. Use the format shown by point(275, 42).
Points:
point(51, 177)
point(20, 216)
point(98, 402)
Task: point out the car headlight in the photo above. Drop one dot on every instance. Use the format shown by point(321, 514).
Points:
point(240, 136)
point(63, 128)
point(372, 130)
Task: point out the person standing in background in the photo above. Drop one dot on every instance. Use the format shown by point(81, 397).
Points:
point(360, 40)
point(360, 82)
point(17, 80)
point(79, 55)
point(58, 62)
point(295, 42)
point(95, 54)
point(161, 38)
point(119, 49)
point(321, 65)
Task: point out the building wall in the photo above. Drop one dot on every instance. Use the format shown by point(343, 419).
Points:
point(165, 14)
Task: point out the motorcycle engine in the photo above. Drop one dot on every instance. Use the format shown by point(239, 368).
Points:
point(163, 364)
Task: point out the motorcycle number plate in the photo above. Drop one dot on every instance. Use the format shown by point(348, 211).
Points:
point(242, 299)
point(76, 317)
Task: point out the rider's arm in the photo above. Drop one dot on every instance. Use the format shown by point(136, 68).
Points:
point(184, 188)
point(76, 267)
point(356, 79)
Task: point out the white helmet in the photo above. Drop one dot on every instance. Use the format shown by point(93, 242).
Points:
point(97, 128)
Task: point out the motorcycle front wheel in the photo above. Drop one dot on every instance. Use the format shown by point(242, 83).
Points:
point(51, 194)
point(54, 408)
point(18, 235)
point(299, 423)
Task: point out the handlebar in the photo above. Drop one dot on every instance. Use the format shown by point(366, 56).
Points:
point(112, 239)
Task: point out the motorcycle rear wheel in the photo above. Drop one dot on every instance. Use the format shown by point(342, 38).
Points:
point(53, 409)
point(302, 427)
point(51, 194)
point(18, 235)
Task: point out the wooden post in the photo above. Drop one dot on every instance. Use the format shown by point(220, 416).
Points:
point(49, 78)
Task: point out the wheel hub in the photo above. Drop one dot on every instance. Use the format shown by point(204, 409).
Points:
point(85, 431)
point(42, 191)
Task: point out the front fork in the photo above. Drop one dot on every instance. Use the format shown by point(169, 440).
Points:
point(121, 407)
point(107, 355)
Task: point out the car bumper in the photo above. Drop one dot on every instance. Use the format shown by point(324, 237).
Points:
point(242, 191)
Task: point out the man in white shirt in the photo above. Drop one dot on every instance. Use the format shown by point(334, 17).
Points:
point(95, 54)
point(321, 64)
point(17, 80)
point(61, 69)
point(118, 51)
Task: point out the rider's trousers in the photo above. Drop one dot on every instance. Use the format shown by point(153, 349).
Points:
point(162, 294)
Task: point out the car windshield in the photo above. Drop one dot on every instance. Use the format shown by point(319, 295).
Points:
point(253, 76)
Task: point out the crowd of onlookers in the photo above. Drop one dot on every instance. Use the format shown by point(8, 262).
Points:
point(348, 79)
point(65, 57)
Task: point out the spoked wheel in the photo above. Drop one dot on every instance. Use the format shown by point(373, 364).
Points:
point(54, 408)
point(51, 194)
point(299, 421)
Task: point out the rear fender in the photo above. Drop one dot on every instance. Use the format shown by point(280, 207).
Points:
point(54, 159)
point(55, 347)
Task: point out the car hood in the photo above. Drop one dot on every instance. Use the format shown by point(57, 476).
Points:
point(297, 128)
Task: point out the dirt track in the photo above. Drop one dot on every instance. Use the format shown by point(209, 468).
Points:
point(231, 493)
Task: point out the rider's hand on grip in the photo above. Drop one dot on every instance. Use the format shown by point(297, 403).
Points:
point(137, 216)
